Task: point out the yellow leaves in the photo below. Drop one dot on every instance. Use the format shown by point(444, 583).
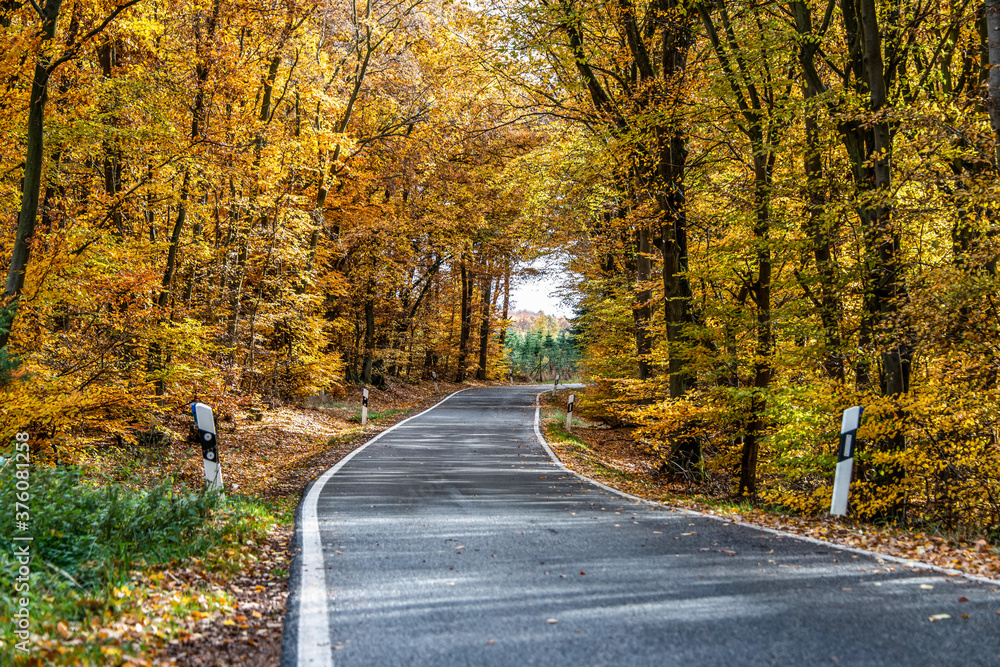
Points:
point(63, 630)
point(111, 651)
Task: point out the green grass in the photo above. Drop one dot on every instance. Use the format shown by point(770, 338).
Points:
point(95, 534)
point(557, 427)
point(556, 431)
point(614, 473)
point(92, 542)
point(375, 416)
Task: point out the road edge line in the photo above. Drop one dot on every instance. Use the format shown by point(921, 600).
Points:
point(915, 564)
point(309, 573)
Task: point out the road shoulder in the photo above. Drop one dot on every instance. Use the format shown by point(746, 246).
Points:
point(621, 467)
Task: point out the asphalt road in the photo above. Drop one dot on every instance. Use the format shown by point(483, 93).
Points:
point(454, 540)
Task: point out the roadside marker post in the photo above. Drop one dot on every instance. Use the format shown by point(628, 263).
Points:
point(511, 373)
point(555, 385)
point(434, 376)
point(569, 413)
point(204, 421)
point(845, 460)
point(364, 406)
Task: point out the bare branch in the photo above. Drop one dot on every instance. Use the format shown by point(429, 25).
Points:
point(74, 47)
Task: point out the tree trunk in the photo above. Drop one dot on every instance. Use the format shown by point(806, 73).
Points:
point(175, 237)
point(484, 328)
point(466, 322)
point(673, 228)
point(761, 292)
point(991, 11)
point(197, 116)
point(33, 162)
point(674, 252)
point(366, 372)
point(107, 55)
point(817, 229)
point(506, 304)
point(642, 308)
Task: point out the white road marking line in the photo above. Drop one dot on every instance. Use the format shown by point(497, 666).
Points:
point(313, 619)
point(919, 565)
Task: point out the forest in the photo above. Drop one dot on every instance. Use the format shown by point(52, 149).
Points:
point(770, 212)
point(541, 347)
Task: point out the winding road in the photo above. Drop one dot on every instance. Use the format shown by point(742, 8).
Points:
point(454, 539)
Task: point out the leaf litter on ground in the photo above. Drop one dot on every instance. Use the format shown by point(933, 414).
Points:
point(611, 456)
point(228, 607)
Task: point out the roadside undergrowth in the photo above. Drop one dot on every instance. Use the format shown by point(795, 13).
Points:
point(134, 563)
point(611, 455)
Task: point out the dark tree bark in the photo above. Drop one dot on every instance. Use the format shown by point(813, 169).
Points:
point(817, 228)
point(156, 358)
point(484, 327)
point(827, 303)
point(34, 159)
point(506, 303)
point(107, 56)
point(642, 308)
point(677, 39)
point(366, 371)
point(466, 322)
point(202, 70)
point(761, 295)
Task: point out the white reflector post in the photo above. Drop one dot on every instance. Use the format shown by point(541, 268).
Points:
point(364, 406)
point(204, 422)
point(555, 384)
point(569, 413)
point(434, 376)
point(845, 460)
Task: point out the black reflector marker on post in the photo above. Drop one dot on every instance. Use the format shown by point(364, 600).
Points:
point(569, 413)
point(845, 460)
point(364, 406)
point(205, 423)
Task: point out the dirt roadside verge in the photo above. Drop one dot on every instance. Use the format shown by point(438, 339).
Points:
point(611, 455)
point(225, 605)
point(250, 635)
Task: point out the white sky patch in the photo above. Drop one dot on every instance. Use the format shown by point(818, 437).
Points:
point(541, 293)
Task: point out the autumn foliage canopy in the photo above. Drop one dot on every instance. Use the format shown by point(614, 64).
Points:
point(769, 212)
